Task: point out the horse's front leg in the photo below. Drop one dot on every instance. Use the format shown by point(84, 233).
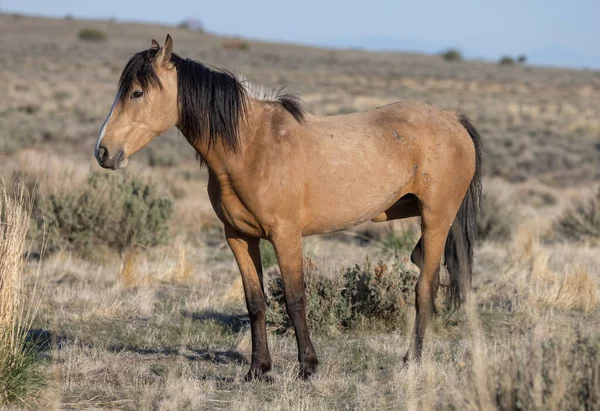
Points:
point(288, 247)
point(246, 251)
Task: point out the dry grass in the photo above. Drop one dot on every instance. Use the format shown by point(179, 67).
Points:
point(15, 221)
point(236, 44)
point(182, 271)
point(20, 375)
point(574, 291)
point(129, 277)
point(168, 344)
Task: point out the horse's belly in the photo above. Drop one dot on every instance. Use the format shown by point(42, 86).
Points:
point(338, 205)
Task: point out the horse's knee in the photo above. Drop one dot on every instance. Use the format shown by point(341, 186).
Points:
point(257, 308)
point(295, 304)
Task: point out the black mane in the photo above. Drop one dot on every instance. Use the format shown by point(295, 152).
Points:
point(212, 102)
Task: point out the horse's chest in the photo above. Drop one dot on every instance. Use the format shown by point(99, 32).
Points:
point(231, 210)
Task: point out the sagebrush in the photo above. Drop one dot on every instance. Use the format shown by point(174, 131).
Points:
point(452, 55)
point(110, 210)
point(91, 34)
point(372, 296)
point(495, 222)
point(581, 222)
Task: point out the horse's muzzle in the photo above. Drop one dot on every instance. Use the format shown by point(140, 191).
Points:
point(106, 160)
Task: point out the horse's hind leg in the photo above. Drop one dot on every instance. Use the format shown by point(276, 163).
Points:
point(435, 224)
point(417, 259)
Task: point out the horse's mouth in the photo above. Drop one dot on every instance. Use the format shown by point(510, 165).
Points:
point(111, 163)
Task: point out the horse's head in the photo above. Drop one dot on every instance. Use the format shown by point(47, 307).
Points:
point(145, 107)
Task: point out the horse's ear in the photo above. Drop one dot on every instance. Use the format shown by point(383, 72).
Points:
point(155, 45)
point(164, 55)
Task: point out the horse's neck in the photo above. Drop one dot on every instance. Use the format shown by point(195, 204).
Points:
point(221, 160)
point(221, 163)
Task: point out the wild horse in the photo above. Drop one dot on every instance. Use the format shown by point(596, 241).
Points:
point(279, 173)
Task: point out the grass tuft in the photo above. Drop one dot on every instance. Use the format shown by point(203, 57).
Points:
point(182, 272)
point(581, 222)
point(495, 221)
point(575, 291)
point(21, 370)
point(128, 276)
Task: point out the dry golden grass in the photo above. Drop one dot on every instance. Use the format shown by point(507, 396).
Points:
point(235, 293)
point(20, 377)
point(15, 210)
point(129, 277)
point(574, 291)
point(182, 271)
point(136, 348)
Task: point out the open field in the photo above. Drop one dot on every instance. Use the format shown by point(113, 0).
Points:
point(163, 326)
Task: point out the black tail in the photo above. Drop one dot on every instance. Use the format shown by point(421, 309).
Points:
point(458, 252)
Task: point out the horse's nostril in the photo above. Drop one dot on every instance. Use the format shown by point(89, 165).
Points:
point(102, 154)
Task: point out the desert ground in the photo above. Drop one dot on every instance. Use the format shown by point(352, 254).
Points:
point(160, 323)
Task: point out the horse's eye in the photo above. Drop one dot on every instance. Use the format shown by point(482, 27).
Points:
point(137, 94)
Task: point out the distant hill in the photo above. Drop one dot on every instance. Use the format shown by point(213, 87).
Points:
point(550, 55)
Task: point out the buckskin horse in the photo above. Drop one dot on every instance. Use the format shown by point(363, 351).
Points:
point(279, 173)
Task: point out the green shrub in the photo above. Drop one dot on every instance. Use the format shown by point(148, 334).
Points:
point(21, 367)
point(363, 297)
point(90, 34)
point(452, 55)
point(401, 241)
point(110, 211)
point(506, 61)
point(581, 222)
point(267, 254)
point(495, 220)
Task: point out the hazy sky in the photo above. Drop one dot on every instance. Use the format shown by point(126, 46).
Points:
point(555, 32)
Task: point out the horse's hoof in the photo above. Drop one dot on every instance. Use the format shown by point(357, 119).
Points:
point(307, 370)
point(410, 357)
point(257, 375)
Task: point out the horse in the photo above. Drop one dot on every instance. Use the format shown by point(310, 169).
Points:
point(277, 172)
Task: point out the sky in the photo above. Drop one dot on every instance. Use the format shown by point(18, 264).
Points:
point(550, 32)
